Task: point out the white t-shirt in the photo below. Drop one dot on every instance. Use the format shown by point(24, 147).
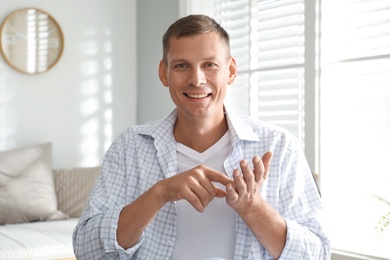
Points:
point(210, 234)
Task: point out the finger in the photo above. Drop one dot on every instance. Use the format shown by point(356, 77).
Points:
point(208, 186)
point(219, 193)
point(267, 160)
point(239, 182)
point(205, 191)
point(198, 190)
point(258, 168)
point(213, 191)
point(261, 166)
point(217, 176)
point(248, 175)
point(231, 194)
point(195, 201)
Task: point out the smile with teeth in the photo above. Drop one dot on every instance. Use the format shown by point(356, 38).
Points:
point(198, 95)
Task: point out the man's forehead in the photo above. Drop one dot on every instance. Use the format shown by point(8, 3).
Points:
point(208, 46)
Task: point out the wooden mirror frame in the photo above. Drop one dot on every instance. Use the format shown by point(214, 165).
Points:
point(31, 40)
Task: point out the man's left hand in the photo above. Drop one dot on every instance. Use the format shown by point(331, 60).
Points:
point(244, 194)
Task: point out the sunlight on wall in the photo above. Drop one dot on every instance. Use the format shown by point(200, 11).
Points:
point(8, 116)
point(107, 94)
point(96, 96)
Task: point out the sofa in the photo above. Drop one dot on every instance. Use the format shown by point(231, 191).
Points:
point(40, 206)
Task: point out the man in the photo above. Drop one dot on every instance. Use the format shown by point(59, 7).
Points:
point(192, 185)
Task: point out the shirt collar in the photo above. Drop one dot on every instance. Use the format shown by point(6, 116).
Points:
point(238, 127)
point(162, 131)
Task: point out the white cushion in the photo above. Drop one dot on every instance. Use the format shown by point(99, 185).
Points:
point(26, 185)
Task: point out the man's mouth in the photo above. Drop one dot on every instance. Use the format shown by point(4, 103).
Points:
point(197, 96)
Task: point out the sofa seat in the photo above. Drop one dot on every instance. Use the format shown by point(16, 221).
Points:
point(38, 240)
point(51, 240)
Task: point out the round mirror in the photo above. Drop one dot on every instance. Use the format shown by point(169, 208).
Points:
point(31, 40)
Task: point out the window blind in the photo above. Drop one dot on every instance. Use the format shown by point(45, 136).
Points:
point(355, 122)
point(234, 16)
point(267, 40)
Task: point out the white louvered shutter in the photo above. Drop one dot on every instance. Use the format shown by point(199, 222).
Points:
point(267, 40)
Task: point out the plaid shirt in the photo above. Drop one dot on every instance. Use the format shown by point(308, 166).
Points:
point(143, 155)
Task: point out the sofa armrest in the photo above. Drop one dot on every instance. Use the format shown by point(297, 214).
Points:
point(73, 187)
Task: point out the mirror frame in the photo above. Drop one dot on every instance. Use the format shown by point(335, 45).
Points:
point(20, 54)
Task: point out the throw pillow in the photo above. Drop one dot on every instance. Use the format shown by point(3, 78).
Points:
point(73, 187)
point(26, 185)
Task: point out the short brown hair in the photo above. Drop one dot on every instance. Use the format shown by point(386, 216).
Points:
point(193, 25)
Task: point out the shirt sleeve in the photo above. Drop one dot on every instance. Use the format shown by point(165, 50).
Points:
point(302, 209)
point(95, 234)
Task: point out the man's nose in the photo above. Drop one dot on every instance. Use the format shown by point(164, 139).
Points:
point(197, 77)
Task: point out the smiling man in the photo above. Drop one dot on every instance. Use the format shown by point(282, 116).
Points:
point(199, 183)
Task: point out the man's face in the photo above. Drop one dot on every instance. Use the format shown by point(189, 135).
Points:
point(197, 72)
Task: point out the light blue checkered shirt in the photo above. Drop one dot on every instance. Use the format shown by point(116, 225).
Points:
point(143, 155)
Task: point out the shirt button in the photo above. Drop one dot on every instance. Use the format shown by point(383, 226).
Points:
point(169, 243)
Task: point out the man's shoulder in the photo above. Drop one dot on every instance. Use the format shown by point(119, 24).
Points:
point(266, 131)
point(150, 130)
point(145, 129)
point(260, 126)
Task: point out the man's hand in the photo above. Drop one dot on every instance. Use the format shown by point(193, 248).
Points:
point(195, 186)
point(266, 224)
point(243, 195)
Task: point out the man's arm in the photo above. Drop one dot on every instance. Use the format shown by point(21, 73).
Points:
point(280, 236)
point(135, 217)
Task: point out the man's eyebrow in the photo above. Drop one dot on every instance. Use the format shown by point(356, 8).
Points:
point(210, 58)
point(178, 60)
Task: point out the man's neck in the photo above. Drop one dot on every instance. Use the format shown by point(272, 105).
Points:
point(199, 134)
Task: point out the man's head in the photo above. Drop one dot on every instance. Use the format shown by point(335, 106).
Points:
point(198, 67)
point(193, 25)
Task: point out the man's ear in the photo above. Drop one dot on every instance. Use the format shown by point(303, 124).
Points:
point(233, 71)
point(162, 73)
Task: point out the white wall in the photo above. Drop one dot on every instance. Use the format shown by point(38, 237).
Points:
point(89, 97)
point(153, 19)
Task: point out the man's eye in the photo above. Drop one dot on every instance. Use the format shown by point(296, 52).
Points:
point(180, 66)
point(210, 65)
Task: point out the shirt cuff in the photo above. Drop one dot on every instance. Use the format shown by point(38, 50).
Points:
point(109, 227)
point(125, 253)
point(294, 241)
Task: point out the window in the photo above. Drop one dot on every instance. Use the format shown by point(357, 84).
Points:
point(267, 40)
point(355, 122)
point(321, 69)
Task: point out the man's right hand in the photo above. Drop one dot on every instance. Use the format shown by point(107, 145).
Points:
point(195, 185)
